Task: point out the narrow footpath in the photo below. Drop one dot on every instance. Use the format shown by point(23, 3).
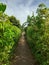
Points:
point(22, 54)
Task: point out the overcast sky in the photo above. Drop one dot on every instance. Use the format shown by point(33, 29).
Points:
point(21, 8)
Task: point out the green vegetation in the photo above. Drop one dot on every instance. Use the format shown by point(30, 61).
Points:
point(37, 34)
point(14, 21)
point(9, 35)
point(2, 7)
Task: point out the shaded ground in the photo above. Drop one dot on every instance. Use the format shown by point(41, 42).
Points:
point(22, 54)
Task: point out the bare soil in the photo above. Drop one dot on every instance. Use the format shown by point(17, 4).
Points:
point(22, 54)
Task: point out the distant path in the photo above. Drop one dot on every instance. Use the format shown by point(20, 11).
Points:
point(22, 54)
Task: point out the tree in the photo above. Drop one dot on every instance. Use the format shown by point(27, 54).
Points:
point(42, 10)
point(42, 14)
point(2, 7)
point(15, 21)
point(30, 19)
point(38, 34)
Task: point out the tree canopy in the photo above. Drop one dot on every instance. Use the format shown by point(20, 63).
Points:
point(14, 21)
point(2, 7)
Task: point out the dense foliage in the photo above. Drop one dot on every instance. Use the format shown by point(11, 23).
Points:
point(38, 35)
point(9, 35)
point(15, 21)
point(2, 7)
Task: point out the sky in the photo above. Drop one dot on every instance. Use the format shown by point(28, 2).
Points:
point(22, 8)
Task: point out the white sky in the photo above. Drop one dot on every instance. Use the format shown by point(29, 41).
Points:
point(21, 8)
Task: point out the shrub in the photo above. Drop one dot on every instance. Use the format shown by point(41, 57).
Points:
point(9, 36)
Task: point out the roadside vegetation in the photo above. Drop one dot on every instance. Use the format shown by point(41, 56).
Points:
point(9, 35)
point(37, 34)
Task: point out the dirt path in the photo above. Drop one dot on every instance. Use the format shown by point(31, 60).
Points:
point(22, 54)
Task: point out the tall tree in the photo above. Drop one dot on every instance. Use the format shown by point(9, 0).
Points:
point(15, 21)
point(2, 7)
point(31, 19)
point(43, 14)
point(42, 10)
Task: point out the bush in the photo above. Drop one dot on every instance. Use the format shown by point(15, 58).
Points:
point(9, 36)
point(38, 39)
point(38, 35)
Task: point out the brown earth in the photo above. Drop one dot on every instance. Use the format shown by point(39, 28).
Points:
point(22, 54)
